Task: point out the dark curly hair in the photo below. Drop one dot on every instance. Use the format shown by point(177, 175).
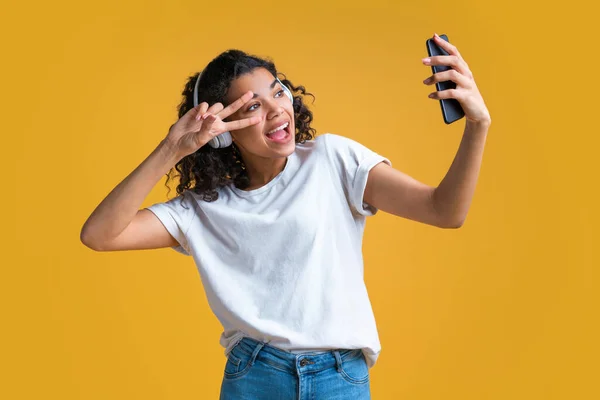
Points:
point(208, 169)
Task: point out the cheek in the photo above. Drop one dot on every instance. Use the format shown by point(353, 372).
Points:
point(253, 131)
point(249, 135)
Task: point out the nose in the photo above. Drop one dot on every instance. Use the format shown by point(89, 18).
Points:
point(275, 108)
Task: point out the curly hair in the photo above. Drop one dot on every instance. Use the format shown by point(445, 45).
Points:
point(208, 169)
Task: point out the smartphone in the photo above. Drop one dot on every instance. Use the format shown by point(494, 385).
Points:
point(451, 109)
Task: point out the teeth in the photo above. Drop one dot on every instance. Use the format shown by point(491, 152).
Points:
point(276, 129)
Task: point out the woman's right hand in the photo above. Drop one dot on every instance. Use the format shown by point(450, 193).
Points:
point(191, 131)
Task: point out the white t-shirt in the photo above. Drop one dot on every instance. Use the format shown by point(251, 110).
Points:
point(283, 263)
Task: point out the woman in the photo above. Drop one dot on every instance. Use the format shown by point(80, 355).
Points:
point(274, 221)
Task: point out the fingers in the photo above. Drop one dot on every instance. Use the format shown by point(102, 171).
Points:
point(233, 107)
point(209, 120)
point(453, 61)
point(214, 109)
point(446, 94)
point(202, 107)
point(218, 110)
point(450, 48)
point(242, 123)
point(454, 58)
point(449, 75)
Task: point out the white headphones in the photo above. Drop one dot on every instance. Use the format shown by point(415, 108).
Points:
point(224, 139)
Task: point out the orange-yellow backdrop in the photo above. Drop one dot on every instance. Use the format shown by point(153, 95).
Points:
point(504, 308)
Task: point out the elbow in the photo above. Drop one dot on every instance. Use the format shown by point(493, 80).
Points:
point(85, 239)
point(452, 223)
point(456, 226)
point(444, 219)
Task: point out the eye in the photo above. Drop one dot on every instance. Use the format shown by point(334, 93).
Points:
point(255, 104)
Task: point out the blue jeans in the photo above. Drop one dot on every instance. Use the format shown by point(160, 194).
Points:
point(255, 370)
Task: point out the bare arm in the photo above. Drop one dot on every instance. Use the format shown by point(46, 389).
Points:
point(119, 209)
point(447, 205)
point(118, 223)
point(452, 198)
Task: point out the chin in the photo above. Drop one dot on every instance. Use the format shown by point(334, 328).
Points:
point(285, 151)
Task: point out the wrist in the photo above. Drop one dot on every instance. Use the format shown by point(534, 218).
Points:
point(479, 125)
point(168, 152)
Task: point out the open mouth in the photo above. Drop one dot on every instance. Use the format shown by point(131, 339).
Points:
point(281, 135)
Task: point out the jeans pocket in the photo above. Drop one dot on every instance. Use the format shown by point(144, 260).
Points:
point(354, 368)
point(232, 365)
point(238, 363)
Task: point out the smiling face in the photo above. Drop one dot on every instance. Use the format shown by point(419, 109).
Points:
point(274, 107)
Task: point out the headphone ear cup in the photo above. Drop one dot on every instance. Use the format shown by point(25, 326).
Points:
point(214, 143)
point(225, 139)
point(221, 141)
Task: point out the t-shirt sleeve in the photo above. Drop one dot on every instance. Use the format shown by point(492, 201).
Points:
point(352, 162)
point(176, 218)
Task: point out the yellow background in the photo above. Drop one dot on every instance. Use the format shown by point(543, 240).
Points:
point(504, 308)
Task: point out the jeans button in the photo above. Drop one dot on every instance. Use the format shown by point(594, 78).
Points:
point(303, 362)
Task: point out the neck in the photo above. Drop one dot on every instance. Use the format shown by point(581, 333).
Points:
point(262, 171)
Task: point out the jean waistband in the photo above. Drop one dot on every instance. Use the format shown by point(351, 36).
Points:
point(293, 362)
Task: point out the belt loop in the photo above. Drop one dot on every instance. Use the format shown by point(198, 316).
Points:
point(338, 360)
point(255, 353)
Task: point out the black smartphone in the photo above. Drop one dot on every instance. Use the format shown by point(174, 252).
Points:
point(451, 109)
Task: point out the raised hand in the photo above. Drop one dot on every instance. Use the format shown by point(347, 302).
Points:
point(200, 124)
point(466, 92)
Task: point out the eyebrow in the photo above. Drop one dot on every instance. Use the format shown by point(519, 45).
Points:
point(271, 86)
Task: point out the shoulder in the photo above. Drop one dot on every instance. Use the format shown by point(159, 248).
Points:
point(328, 139)
point(337, 149)
point(336, 143)
point(340, 148)
point(325, 143)
point(182, 205)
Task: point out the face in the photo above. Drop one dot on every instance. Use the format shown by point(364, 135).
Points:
point(273, 106)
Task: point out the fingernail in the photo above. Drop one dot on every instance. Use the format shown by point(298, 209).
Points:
point(430, 96)
point(426, 60)
point(204, 116)
point(436, 35)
